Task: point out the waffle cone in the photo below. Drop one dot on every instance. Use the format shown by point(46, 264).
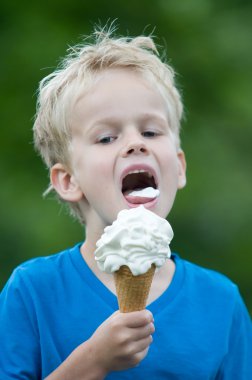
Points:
point(132, 291)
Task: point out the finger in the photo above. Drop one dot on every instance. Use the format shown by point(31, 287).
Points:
point(143, 344)
point(136, 358)
point(138, 318)
point(141, 355)
point(144, 332)
point(137, 347)
point(141, 351)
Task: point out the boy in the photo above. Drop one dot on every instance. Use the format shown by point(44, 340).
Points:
point(108, 122)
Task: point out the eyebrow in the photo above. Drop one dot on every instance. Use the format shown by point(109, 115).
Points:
point(114, 121)
point(154, 117)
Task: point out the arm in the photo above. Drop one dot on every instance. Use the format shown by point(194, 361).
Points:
point(20, 353)
point(237, 362)
point(121, 342)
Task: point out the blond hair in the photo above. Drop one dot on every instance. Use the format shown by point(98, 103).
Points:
point(59, 90)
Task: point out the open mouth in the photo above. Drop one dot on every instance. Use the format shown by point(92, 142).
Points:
point(138, 180)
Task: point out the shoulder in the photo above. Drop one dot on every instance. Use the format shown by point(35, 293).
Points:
point(41, 270)
point(214, 297)
point(208, 282)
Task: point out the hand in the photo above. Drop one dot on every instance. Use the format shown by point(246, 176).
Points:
point(122, 341)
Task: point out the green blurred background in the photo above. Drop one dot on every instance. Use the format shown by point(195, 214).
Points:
point(210, 45)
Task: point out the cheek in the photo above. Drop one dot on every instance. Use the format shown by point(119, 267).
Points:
point(99, 173)
point(170, 160)
point(92, 164)
point(171, 170)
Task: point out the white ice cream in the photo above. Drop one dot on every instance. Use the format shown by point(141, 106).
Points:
point(138, 238)
point(148, 192)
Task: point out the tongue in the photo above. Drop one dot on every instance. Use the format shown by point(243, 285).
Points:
point(142, 196)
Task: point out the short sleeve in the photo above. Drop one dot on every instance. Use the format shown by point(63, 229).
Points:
point(237, 363)
point(20, 353)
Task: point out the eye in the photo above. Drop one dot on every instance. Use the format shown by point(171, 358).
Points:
point(106, 140)
point(149, 134)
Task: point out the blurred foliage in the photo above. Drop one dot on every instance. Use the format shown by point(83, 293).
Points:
point(209, 44)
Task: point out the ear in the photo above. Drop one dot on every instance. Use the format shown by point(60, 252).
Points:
point(65, 184)
point(182, 169)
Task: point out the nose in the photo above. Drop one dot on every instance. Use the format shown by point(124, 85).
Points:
point(135, 147)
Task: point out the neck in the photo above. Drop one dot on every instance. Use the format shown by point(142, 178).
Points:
point(161, 280)
point(162, 277)
point(87, 251)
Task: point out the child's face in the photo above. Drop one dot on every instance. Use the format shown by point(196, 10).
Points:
point(118, 127)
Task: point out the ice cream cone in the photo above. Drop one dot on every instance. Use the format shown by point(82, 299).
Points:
point(132, 291)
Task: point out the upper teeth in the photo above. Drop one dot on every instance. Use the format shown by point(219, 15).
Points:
point(140, 171)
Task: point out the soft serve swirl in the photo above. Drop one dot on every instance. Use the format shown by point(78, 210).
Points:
point(138, 238)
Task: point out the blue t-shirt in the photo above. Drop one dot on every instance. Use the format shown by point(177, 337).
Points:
point(52, 304)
